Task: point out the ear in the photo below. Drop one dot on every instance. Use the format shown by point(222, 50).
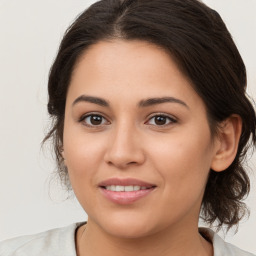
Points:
point(228, 137)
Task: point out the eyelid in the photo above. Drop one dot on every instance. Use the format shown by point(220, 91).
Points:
point(84, 116)
point(170, 117)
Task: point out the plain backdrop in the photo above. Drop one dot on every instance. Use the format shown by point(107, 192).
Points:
point(31, 200)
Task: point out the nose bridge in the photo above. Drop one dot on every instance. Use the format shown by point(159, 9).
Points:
point(124, 136)
point(124, 147)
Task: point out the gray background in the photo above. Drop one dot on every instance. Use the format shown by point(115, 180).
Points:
point(30, 32)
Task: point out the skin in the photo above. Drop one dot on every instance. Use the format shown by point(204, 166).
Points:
point(128, 143)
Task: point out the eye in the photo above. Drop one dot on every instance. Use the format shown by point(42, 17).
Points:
point(94, 120)
point(161, 120)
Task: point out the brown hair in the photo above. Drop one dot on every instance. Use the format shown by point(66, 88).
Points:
point(198, 40)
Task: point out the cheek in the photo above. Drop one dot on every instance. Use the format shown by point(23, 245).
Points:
point(82, 160)
point(83, 154)
point(183, 161)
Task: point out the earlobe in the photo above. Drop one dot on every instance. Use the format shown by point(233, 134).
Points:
point(228, 138)
point(61, 150)
point(63, 155)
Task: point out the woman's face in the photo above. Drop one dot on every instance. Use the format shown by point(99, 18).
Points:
point(137, 143)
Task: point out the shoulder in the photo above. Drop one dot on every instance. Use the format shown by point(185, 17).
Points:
point(222, 248)
point(59, 241)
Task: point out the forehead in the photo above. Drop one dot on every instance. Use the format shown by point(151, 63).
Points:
point(129, 70)
point(135, 54)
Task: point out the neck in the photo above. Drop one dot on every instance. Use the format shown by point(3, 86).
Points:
point(92, 241)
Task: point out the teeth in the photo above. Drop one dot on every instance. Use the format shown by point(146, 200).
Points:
point(119, 188)
point(136, 188)
point(128, 188)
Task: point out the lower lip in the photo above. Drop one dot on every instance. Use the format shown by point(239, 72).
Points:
point(126, 197)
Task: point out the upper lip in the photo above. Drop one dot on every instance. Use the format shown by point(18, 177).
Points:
point(125, 182)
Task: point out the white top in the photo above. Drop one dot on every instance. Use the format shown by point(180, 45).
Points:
point(61, 242)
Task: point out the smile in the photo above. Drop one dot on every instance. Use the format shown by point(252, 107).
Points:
point(119, 188)
point(125, 191)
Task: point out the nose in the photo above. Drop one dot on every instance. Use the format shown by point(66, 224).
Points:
point(125, 148)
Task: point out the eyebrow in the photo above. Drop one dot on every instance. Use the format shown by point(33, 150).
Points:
point(91, 99)
point(155, 101)
point(142, 103)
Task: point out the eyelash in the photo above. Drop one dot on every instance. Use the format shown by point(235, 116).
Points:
point(171, 119)
point(84, 117)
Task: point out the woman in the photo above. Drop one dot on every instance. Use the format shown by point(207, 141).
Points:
point(151, 125)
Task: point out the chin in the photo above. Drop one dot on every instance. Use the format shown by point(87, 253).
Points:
point(126, 227)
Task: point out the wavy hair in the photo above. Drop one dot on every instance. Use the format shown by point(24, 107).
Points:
point(197, 39)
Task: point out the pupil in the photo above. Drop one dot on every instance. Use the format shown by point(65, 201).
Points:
point(160, 120)
point(96, 120)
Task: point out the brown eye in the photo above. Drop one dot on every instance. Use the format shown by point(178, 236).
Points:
point(161, 120)
point(94, 120)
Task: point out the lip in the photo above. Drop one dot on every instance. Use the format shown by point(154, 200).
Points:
point(125, 182)
point(124, 198)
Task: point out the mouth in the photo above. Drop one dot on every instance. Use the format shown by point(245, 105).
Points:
point(130, 188)
point(125, 191)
